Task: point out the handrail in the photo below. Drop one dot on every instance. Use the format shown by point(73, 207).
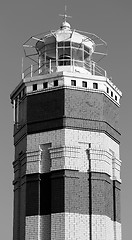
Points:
point(52, 66)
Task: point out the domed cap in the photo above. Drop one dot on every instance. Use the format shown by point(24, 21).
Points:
point(65, 25)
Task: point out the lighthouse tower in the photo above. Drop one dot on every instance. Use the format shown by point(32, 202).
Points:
point(66, 138)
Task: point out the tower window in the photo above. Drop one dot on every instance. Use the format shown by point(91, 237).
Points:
point(115, 97)
point(107, 90)
point(84, 84)
point(73, 82)
point(95, 85)
point(111, 94)
point(89, 145)
point(45, 85)
point(55, 83)
point(34, 87)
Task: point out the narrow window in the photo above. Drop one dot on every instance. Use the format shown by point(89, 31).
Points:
point(89, 145)
point(84, 84)
point(34, 87)
point(115, 97)
point(111, 94)
point(95, 85)
point(55, 83)
point(45, 85)
point(107, 90)
point(73, 82)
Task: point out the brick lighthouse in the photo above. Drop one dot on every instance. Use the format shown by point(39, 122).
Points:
point(66, 137)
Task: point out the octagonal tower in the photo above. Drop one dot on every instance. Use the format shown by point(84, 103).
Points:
point(66, 138)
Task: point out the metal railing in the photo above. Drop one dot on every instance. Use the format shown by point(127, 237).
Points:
point(53, 66)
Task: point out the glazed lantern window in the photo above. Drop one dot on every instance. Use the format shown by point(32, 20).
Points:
point(64, 53)
point(65, 49)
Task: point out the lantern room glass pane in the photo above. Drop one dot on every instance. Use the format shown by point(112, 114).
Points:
point(76, 45)
point(63, 52)
point(64, 56)
point(60, 44)
point(64, 44)
point(67, 44)
point(77, 54)
point(50, 50)
point(86, 53)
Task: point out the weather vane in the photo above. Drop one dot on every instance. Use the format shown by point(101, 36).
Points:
point(65, 16)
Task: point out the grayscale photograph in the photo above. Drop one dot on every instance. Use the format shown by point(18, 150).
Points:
point(66, 111)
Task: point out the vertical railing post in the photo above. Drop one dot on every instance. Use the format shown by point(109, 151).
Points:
point(31, 70)
point(93, 68)
point(90, 66)
point(39, 62)
point(73, 65)
point(83, 55)
point(50, 66)
point(56, 54)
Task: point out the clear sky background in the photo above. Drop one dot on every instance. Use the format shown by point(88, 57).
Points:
point(112, 21)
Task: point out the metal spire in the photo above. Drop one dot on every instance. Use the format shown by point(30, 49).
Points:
point(65, 16)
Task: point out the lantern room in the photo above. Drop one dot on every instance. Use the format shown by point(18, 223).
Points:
point(65, 49)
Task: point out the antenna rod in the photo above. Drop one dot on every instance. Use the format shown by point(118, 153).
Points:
point(65, 16)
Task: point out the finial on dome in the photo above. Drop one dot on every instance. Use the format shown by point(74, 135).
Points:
point(65, 24)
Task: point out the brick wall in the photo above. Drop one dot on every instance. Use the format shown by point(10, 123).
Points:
point(91, 106)
point(72, 108)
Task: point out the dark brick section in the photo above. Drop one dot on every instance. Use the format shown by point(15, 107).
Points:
point(32, 194)
point(91, 106)
point(45, 194)
point(50, 198)
point(72, 196)
point(57, 194)
point(110, 113)
point(45, 106)
point(102, 196)
point(68, 191)
point(44, 126)
point(116, 196)
point(70, 108)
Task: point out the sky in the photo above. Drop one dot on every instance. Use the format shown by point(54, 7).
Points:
point(109, 19)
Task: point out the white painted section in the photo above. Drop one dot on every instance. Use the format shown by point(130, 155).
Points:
point(97, 140)
point(102, 228)
point(117, 231)
point(64, 78)
point(44, 158)
point(40, 87)
point(58, 226)
point(33, 162)
point(101, 161)
point(32, 228)
point(116, 166)
point(38, 227)
point(68, 151)
point(69, 226)
point(29, 89)
point(77, 159)
point(45, 227)
point(64, 158)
